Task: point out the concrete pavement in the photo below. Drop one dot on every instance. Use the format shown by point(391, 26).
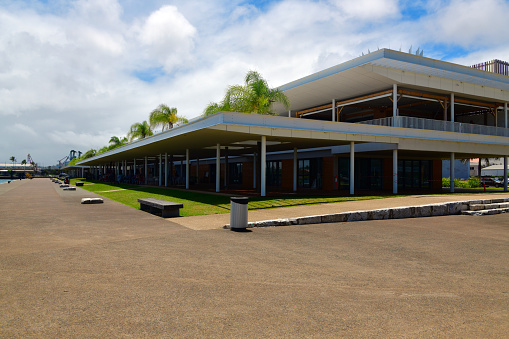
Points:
point(107, 270)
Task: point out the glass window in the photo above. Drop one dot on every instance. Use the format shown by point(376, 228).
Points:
point(274, 173)
point(309, 174)
point(235, 173)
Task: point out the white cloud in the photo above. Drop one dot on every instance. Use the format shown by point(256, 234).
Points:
point(168, 37)
point(473, 23)
point(68, 75)
point(368, 9)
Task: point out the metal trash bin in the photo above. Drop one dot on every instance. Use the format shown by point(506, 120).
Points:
point(238, 212)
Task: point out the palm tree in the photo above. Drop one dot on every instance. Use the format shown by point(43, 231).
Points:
point(13, 159)
point(139, 131)
point(116, 142)
point(24, 162)
point(255, 96)
point(165, 117)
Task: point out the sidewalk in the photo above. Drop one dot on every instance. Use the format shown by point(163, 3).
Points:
point(206, 222)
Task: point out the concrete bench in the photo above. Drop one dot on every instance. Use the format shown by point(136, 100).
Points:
point(167, 208)
point(79, 183)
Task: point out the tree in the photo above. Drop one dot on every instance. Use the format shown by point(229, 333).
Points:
point(139, 131)
point(116, 142)
point(89, 154)
point(165, 117)
point(255, 96)
point(13, 159)
point(23, 162)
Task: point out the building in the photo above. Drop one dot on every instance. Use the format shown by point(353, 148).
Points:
point(494, 171)
point(380, 122)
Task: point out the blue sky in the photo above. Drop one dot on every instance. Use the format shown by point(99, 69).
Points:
point(101, 65)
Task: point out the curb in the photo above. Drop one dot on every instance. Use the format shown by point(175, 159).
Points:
point(431, 210)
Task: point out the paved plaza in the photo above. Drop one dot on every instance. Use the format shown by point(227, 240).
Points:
point(108, 270)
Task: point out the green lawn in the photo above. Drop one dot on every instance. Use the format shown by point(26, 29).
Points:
point(202, 203)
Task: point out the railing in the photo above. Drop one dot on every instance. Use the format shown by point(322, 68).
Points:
point(438, 125)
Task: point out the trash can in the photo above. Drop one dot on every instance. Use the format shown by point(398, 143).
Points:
point(238, 212)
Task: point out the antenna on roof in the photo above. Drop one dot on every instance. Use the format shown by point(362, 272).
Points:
point(410, 50)
point(417, 52)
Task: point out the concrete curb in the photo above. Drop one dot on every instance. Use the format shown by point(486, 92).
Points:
point(431, 210)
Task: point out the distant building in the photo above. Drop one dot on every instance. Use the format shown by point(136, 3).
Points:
point(494, 171)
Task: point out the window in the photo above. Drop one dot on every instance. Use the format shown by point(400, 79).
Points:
point(274, 173)
point(235, 173)
point(415, 174)
point(309, 173)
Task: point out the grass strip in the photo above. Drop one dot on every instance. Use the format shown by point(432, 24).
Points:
point(198, 203)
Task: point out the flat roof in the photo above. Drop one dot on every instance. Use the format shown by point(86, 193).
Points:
point(358, 77)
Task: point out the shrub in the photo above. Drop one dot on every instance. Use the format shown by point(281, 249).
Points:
point(446, 182)
point(474, 182)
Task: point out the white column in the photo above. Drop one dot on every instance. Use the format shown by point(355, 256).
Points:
point(505, 172)
point(295, 164)
point(333, 109)
point(82, 172)
point(218, 166)
point(452, 107)
point(394, 104)
point(452, 171)
point(160, 177)
point(505, 115)
point(289, 114)
point(352, 167)
point(187, 168)
point(146, 170)
point(263, 165)
point(165, 169)
point(395, 171)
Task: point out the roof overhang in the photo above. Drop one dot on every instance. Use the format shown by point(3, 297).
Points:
point(241, 133)
point(380, 70)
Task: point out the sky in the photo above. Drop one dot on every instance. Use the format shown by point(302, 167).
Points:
point(75, 73)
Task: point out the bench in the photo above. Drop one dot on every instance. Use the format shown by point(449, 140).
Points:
point(79, 183)
point(167, 208)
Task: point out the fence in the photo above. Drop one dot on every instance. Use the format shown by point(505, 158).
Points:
point(438, 125)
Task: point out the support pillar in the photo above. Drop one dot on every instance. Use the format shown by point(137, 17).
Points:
point(187, 168)
point(263, 166)
point(505, 115)
point(295, 165)
point(333, 110)
point(394, 105)
point(395, 171)
point(352, 167)
point(218, 166)
point(452, 171)
point(452, 112)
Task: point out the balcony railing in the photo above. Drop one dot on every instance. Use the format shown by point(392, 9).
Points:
point(438, 125)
